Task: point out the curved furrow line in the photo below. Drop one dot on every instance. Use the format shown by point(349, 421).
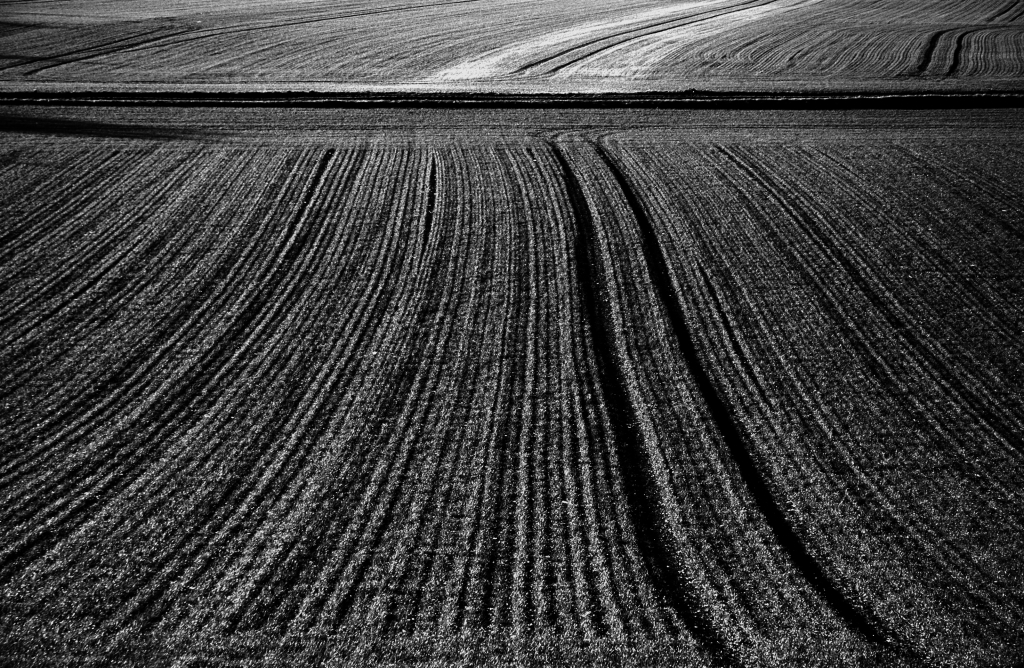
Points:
point(97, 256)
point(929, 50)
point(324, 600)
point(265, 499)
point(978, 303)
point(24, 372)
point(102, 486)
point(937, 360)
point(965, 454)
point(412, 416)
point(239, 510)
point(134, 366)
point(474, 606)
point(428, 215)
point(978, 292)
point(645, 58)
point(280, 582)
point(836, 310)
point(77, 275)
point(109, 293)
point(298, 421)
point(723, 290)
point(453, 546)
point(422, 299)
point(791, 601)
point(644, 491)
point(78, 54)
point(412, 601)
point(503, 582)
point(918, 532)
point(713, 252)
point(24, 230)
point(544, 569)
point(590, 608)
point(614, 556)
point(191, 36)
point(931, 352)
point(470, 399)
point(682, 435)
point(416, 269)
point(954, 61)
point(495, 370)
point(966, 189)
point(311, 575)
point(851, 475)
point(1013, 16)
point(597, 610)
point(629, 35)
point(975, 297)
point(1004, 10)
point(480, 376)
point(863, 620)
point(520, 607)
point(73, 58)
point(381, 299)
point(214, 171)
point(768, 352)
point(954, 179)
point(29, 233)
point(145, 361)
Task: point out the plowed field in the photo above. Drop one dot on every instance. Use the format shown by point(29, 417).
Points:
point(511, 387)
point(569, 45)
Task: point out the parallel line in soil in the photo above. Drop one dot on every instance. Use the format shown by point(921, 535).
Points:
point(638, 481)
point(786, 534)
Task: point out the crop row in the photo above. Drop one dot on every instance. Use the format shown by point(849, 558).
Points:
point(840, 333)
point(722, 44)
point(724, 399)
point(309, 392)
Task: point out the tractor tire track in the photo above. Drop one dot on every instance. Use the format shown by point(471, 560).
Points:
point(641, 486)
point(936, 359)
point(629, 35)
point(921, 534)
point(863, 621)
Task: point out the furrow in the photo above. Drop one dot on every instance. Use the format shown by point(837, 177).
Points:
point(643, 490)
point(937, 361)
point(1004, 10)
point(628, 35)
point(882, 368)
point(788, 536)
point(105, 485)
point(191, 36)
point(366, 316)
point(640, 34)
point(300, 422)
point(954, 61)
point(929, 51)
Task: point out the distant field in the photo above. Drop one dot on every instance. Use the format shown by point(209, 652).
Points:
point(517, 44)
point(559, 386)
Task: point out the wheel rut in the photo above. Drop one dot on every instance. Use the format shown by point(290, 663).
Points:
point(929, 51)
point(731, 433)
point(659, 548)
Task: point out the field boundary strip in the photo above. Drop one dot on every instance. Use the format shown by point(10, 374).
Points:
point(686, 99)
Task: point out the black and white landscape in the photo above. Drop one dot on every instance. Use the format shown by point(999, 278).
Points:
point(528, 333)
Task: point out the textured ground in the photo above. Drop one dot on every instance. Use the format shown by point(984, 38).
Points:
point(290, 379)
point(516, 44)
point(689, 387)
